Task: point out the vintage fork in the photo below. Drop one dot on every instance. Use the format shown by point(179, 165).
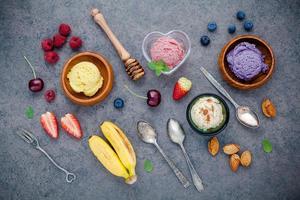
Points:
point(31, 139)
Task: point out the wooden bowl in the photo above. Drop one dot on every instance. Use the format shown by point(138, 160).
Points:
point(262, 78)
point(105, 69)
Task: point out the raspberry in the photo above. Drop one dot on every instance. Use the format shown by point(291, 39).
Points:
point(64, 29)
point(49, 95)
point(75, 42)
point(47, 44)
point(51, 57)
point(59, 40)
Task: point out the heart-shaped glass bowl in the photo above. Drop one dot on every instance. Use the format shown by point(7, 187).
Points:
point(180, 36)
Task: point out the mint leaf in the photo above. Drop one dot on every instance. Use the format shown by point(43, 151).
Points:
point(29, 112)
point(148, 167)
point(267, 146)
point(158, 67)
point(157, 72)
point(152, 65)
point(160, 62)
point(165, 68)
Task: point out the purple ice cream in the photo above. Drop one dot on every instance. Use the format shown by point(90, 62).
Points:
point(246, 61)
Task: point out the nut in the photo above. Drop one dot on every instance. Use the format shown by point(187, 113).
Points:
point(230, 149)
point(234, 162)
point(246, 158)
point(213, 146)
point(268, 108)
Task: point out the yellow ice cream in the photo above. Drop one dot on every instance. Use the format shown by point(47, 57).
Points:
point(85, 77)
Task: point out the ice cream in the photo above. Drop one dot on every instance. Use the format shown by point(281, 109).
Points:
point(85, 77)
point(167, 49)
point(207, 113)
point(246, 61)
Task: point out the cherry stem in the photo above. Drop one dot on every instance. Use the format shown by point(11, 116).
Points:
point(133, 93)
point(32, 68)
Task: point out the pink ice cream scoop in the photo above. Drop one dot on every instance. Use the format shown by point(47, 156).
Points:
point(167, 49)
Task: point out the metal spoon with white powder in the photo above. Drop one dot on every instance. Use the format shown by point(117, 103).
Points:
point(244, 115)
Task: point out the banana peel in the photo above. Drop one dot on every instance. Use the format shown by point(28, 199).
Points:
point(120, 160)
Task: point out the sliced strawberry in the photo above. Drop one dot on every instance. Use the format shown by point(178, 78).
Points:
point(49, 123)
point(71, 125)
point(181, 88)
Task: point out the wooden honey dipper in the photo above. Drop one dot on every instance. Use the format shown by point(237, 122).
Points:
point(133, 68)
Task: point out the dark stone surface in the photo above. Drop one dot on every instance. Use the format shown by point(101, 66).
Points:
point(26, 174)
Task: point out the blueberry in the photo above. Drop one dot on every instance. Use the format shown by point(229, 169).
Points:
point(205, 40)
point(240, 15)
point(212, 26)
point(231, 28)
point(118, 103)
point(248, 25)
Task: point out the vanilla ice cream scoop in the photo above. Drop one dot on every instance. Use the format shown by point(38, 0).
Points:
point(85, 77)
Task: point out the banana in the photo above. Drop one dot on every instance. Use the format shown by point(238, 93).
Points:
point(106, 155)
point(122, 146)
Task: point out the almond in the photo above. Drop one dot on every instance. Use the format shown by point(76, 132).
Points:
point(213, 146)
point(234, 162)
point(268, 108)
point(230, 149)
point(246, 158)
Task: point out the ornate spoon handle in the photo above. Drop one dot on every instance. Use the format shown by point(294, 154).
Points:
point(196, 179)
point(177, 172)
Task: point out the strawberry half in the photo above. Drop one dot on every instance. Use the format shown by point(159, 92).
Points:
point(181, 88)
point(71, 125)
point(49, 123)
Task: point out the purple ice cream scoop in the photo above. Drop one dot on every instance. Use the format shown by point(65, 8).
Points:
point(246, 61)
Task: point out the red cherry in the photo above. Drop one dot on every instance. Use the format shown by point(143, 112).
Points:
point(49, 95)
point(36, 85)
point(154, 98)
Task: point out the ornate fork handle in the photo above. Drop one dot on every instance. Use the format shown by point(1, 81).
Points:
point(70, 177)
point(33, 141)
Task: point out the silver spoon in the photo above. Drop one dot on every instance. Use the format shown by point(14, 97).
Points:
point(147, 133)
point(244, 114)
point(177, 136)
